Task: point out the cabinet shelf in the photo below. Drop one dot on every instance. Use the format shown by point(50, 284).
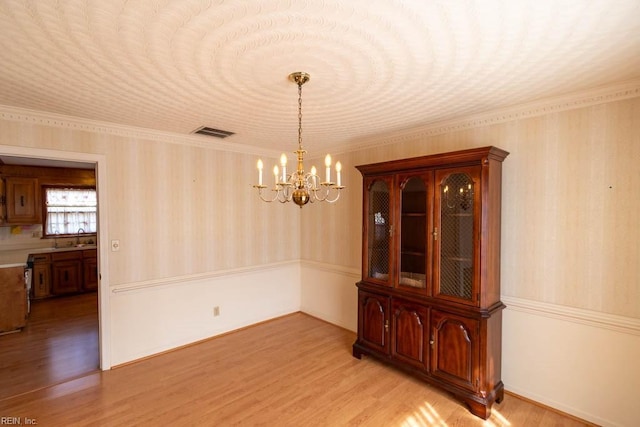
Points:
point(412, 253)
point(457, 258)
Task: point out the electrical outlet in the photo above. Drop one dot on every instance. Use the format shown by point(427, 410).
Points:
point(115, 245)
point(216, 311)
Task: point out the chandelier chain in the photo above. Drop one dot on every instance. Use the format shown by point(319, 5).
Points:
point(300, 115)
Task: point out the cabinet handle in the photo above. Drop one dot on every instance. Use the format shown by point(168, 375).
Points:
point(41, 279)
point(66, 276)
point(391, 231)
point(386, 325)
point(435, 233)
point(431, 341)
point(22, 201)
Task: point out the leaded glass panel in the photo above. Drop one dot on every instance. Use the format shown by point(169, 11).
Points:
point(456, 236)
point(378, 231)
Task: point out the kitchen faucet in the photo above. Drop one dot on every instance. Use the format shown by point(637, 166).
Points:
point(78, 235)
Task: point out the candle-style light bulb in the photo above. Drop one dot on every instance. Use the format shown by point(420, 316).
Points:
point(327, 163)
point(260, 166)
point(283, 162)
point(314, 176)
point(338, 170)
point(276, 172)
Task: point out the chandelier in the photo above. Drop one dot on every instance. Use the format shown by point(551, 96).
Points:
point(299, 186)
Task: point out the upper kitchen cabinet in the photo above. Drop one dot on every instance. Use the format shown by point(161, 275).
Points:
point(21, 201)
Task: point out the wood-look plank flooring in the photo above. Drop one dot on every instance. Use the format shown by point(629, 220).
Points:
point(292, 371)
point(59, 343)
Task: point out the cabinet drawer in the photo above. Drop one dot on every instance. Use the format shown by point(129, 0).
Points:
point(41, 258)
point(89, 253)
point(63, 256)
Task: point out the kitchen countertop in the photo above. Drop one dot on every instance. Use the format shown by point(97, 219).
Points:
point(62, 249)
point(13, 265)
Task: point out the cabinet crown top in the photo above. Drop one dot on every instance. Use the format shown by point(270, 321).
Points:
point(462, 157)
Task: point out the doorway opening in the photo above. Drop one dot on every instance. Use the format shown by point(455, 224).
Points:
point(73, 325)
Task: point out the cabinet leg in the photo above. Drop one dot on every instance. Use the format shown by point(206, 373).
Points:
point(500, 395)
point(356, 353)
point(478, 409)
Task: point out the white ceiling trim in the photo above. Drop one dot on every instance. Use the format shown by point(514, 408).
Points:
point(591, 97)
point(626, 90)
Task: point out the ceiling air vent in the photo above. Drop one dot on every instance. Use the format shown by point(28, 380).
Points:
point(207, 131)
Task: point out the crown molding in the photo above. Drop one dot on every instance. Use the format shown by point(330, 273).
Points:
point(42, 118)
point(586, 98)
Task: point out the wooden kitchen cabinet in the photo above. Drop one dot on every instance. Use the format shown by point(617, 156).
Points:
point(41, 276)
point(13, 298)
point(64, 272)
point(3, 202)
point(90, 270)
point(22, 205)
point(429, 297)
point(67, 272)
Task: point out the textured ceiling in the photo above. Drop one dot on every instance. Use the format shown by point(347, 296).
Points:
point(377, 66)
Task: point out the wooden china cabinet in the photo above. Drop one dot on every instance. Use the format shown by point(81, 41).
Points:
point(429, 298)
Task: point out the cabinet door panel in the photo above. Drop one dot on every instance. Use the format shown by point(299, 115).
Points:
point(414, 244)
point(90, 270)
point(21, 201)
point(455, 348)
point(3, 202)
point(41, 283)
point(66, 277)
point(378, 231)
point(373, 321)
point(410, 333)
point(457, 221)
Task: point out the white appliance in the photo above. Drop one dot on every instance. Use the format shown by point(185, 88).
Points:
point(28, 274)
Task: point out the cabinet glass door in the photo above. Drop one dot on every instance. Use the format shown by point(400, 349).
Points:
point(457, 204)
point(378, 230)
point(413, 246)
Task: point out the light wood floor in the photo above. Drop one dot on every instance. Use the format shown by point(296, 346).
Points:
point(292, 371)
point(59, 343)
